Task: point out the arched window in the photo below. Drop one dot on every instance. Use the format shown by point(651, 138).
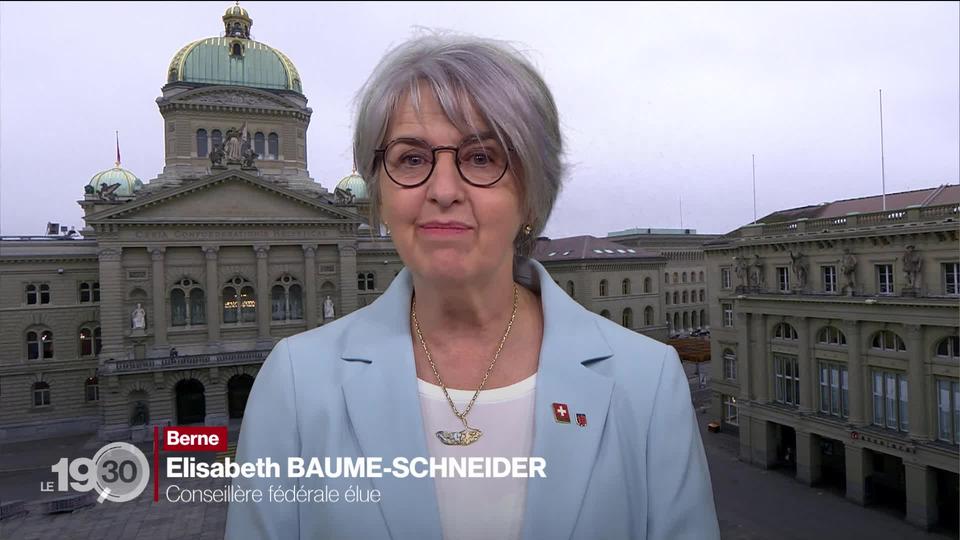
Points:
point(729, 365)
point(41, 394)
point(216, 138)
point(666, 298)
point(273, 146)
point(684, 296)
point(187, 306)
point(237, 50)
point(627, 318)
point(647, 285)
point(286, 299)
point(701, 276)
point(259, 142)
point(686, 320)
point(676, 277)
point(676, 322)
point(703, 295)
point(676, 297)
point(648, 316)
point(31, 293)
point(38, 294)
point(785, 331)
point(89, 291)
point(831, 335)
point(570, 288)
point(949, 347)
point(239, 301)
point(202, 149)
point(693, 319)
point(91, 389)
point(703, 318)
point(89, 340)
point(44, 293)
point(605, 314)
point(365, 281)
point(625, 286)
point(666, 277)
point(603, 287)
point(39, 344)
point(684, 277)
point(886, 340)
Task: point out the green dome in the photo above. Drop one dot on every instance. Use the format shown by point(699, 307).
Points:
point(357, 186)
point(129, 183)
point(234, 59)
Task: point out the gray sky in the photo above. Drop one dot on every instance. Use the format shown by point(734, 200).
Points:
point(656, 100)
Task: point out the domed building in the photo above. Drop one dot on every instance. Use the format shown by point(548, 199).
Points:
point(116, 181)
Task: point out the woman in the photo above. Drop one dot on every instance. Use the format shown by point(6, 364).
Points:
point(473, 350)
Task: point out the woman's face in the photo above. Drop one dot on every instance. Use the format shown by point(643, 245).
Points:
point(447, 230)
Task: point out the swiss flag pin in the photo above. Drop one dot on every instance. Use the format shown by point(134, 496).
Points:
point(581, 420)
point(561, 413)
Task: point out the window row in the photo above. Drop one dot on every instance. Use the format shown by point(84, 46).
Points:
point(685, 298)
point(694, 277)
point(626, 316)
point(40, 392)
point(239, 303)
point(40, 343)
point(689, 319)
point(884, 279)
point(39, 293)
point(266, 146)
point(625, 287)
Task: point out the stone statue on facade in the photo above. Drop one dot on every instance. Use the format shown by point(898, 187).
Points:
point(249, 157)
point(912, 265)
point(138, 319)
point(344, 196)
point(742, 270)
point(140, 416)
point(848, 267)
point(799, 264)
point(756, 276)
point(328, 311)
point(217, 155)
point(108, 191)
point(233, 143)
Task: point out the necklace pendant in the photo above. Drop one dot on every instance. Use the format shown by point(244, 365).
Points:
point(464, 437)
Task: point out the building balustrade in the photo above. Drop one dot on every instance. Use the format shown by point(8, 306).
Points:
point(166, 363)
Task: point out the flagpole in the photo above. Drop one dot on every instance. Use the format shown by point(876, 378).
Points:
point(883, 177)
point(681, 210)
point(753, 161)
point(118, 147)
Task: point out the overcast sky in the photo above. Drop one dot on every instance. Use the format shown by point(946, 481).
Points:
point(657, 101)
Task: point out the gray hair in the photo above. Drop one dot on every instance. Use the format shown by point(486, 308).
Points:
point(504, 88)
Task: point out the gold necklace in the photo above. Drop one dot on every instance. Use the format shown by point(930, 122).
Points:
point(467, 435)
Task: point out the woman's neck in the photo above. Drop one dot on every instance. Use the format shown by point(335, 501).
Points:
point(465, 309)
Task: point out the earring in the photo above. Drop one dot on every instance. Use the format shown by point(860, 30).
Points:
point(527, 230)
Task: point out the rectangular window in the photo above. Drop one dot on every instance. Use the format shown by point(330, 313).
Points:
point(951, 278)
point(724, 278)
point(834, 390)
point(783, 279)
point(729, 366)
point(727, 315)
point(786, 379)
point(829, 274)
point(885, 279)
point(890, 400)
point(730, 410)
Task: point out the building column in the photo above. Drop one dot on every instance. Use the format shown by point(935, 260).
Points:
point(921, 488)
point(855, 374)
point(159, 321)
point(808, 379)
point(916, 384)
point(310, 283)
point(808, 458)
point(216, 399)
point(858, 468)
point(761, 359)
point(263, 297)
point(114, 320)
point(743, 353)
point(212, 297)
point(348, 278)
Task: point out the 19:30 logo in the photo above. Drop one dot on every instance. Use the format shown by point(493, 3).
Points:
point(118, 471)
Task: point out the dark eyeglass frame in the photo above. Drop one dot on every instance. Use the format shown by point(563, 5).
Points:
point(380, 152)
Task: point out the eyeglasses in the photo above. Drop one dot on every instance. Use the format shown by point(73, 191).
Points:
point(409, 162)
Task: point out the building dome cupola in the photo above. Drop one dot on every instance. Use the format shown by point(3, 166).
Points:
point(237, 22)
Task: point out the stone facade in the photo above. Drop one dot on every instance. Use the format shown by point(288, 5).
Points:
point(837, 355)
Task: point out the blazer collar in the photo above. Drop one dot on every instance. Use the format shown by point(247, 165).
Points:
point(384, 408)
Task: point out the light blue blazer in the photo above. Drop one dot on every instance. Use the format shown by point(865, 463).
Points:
point(349, 388)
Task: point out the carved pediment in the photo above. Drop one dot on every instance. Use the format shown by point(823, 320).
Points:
point(233, 97)
point(230, 198)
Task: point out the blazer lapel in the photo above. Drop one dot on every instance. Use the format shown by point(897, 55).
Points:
point(570, 339)
point(384, 409)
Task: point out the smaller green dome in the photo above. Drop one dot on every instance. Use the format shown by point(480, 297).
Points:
point(129, 183)
point(236, 11)
point(357, 186)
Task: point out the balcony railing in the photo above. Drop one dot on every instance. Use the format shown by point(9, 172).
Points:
point(166, 363)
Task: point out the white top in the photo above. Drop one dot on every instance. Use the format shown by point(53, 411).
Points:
point(481, 508)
